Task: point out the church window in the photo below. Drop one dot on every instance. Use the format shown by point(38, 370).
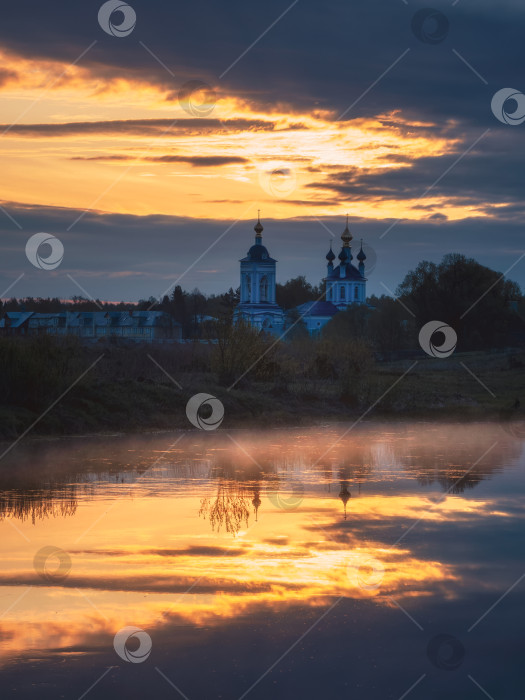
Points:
point(248, 288)
point(263, 289)
point(356, 293)
point(342, 292)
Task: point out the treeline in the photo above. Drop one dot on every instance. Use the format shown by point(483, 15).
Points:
point(190, 309)
point(485, 309)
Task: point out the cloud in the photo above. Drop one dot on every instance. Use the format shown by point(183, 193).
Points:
point(490, 173)
point(107, 157)
point(138, 127)
point(199, 161)
point(191, 551)
point(195, 161)
point(355, 44)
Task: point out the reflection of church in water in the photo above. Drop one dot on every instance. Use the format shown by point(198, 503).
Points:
point(345, 286)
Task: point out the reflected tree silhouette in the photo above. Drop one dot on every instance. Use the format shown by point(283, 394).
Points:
point(230, 507)
point(38, 504)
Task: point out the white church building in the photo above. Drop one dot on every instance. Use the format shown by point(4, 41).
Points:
point(345, 286)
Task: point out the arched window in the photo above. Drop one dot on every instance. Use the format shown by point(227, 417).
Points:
point(343, 293)
point(263, 289)
point(248, 288)
point(356, 293)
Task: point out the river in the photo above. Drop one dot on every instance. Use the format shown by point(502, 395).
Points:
point(383, 560)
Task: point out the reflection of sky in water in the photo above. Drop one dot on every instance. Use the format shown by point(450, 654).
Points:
point(227, 549)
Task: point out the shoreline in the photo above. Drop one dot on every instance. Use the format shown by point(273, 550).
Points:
point(440, 415)
point(123, 398)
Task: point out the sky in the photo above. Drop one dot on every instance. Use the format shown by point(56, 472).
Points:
point(146, 140)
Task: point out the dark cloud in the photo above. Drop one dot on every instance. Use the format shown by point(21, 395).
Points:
point(195, 161)
point(193, 551)
point(150, 583)
point(199, 161)
point(103, 158)
point(313, 58)
point(138, 127)
point(491, 173)
point(7, 76)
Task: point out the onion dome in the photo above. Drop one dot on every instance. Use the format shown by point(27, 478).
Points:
point(361, 255)
point(344, 495)
point(257, 253)
point(346, 236)
point(258, 228)
point(256, 502)
point(330, 256)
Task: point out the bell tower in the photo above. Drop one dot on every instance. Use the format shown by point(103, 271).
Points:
point(258, 277)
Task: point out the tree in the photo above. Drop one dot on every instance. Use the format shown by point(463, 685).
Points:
point(297, 327)
point(473, 299)
point(294, 292)
point(242, 350)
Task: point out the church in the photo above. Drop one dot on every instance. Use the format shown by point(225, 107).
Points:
point(345, 286)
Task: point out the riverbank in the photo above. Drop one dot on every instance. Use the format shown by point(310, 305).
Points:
point(467, 386)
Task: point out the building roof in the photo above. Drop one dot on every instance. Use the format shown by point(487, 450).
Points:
point(351, 273)
point(75, 319)
point(16, 318)
point(258, 253)
point(317, 308)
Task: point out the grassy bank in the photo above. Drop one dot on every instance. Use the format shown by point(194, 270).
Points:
point(126, 391)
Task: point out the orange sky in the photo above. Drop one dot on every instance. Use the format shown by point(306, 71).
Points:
point(279, 154)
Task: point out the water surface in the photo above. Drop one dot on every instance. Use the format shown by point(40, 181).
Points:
point(380, 562)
